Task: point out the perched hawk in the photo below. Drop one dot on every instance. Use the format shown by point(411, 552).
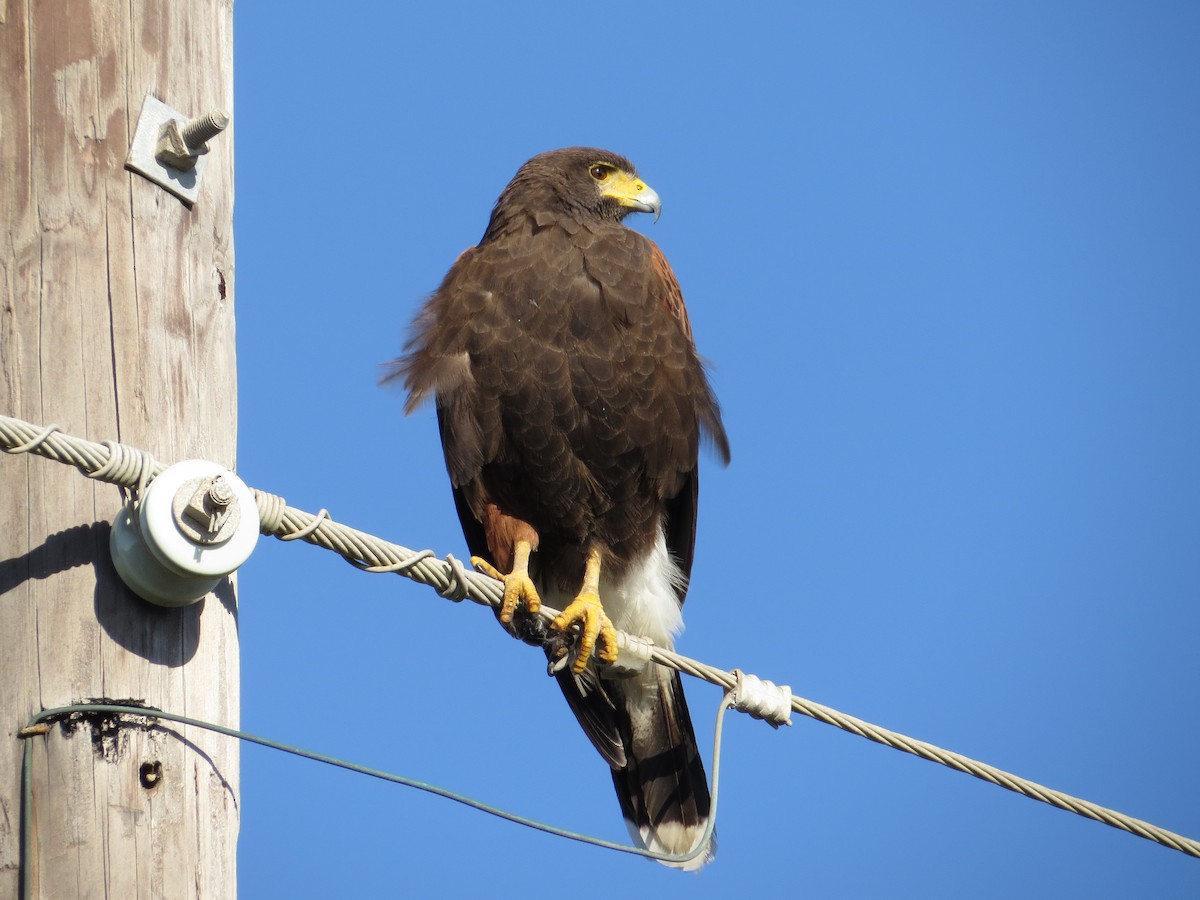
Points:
point(571, 404)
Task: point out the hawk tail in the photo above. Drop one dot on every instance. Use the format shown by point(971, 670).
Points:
point(662, 787)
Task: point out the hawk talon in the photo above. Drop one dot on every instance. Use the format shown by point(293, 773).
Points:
point(518, 587)
point(482, 565)
point(596, 632)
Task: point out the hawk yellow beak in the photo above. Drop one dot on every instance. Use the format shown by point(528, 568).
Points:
point(633, 193)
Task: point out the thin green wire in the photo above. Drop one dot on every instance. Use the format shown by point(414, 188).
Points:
point(146, 712)
point(26, 874)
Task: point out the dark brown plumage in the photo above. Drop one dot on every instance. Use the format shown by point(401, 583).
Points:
point(571, 404)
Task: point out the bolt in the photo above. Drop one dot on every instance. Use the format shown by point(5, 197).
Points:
point(180, 144)
point(206, 509)
point(220, 494)
point(199, 131)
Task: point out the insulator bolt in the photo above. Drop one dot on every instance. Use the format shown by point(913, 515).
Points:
point(220, 493)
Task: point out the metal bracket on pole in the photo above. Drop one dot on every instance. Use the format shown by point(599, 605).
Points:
point(169, 148)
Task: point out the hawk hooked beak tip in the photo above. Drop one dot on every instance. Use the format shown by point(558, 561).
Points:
point(646, 201)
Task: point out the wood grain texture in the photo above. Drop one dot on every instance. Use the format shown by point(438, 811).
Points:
point(116, 321)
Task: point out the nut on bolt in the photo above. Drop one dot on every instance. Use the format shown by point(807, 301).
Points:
point(209, 510)
point(180, 144)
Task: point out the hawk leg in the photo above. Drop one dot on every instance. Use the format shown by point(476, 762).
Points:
point(518, 586)
point(596, 632)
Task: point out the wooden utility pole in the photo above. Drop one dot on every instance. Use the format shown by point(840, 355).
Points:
point(116, 321)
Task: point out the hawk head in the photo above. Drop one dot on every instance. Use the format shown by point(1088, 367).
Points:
point(584, 183)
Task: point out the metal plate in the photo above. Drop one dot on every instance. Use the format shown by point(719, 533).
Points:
point(155, 114)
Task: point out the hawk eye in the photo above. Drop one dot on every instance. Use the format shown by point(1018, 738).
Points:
point(600, 172)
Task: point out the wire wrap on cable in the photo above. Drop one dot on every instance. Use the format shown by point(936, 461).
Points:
point(634, 653)
point(450, 579)
point(125, 464)
point(762, 699)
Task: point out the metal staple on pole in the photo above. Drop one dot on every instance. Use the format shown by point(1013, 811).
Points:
point(450, 579)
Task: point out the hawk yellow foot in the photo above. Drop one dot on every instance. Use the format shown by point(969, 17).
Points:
point(596, 632)
point(518, 589)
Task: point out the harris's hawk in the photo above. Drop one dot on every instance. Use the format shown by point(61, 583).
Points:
point(571, 404)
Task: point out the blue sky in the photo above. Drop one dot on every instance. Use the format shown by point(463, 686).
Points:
point(943, 260)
